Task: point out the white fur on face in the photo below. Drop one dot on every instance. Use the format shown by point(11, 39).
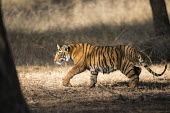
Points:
point(63, 57)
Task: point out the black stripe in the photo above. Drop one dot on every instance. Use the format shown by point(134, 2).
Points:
point(129, 53)
point(112, 56)
point(94, 57)
point(129, 72)
point(108, 53)
point(102, 58)
point(99, 62)
point(81, 56)
point(91, 55)
point(97, 56)
point(133, 80)
point(103, 62)
point(132, 75)
point(124, 66)
point(85, 53)
point(107, 57)
point(126, 50)
point(117, 56)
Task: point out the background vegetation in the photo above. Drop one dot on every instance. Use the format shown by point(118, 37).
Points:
point(99, 22)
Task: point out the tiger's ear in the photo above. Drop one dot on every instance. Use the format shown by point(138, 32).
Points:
point(66, 48)
point(58, 46)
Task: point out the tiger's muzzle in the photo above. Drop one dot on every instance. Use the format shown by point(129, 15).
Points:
point(62, 60)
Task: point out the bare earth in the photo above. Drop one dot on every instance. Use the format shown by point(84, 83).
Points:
point(43, 90)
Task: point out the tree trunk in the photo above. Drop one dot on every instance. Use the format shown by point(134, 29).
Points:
point(160, 18)
point(11, 98)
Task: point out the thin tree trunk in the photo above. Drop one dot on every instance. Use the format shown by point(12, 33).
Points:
point(160, 17)
point(11, 98)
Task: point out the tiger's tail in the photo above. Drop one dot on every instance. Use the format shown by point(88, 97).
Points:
point(147, 67)
point(152, 72)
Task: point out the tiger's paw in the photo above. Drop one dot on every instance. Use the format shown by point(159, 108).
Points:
point(91, 86)
point(66, 83)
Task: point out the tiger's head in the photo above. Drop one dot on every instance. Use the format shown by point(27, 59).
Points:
point(62, 54)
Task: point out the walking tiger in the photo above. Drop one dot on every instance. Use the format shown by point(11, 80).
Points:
point(103, 59)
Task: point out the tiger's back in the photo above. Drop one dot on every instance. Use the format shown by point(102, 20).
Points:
point(108, 58)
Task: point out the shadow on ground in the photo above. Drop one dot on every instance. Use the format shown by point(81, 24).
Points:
point(106, 99)
point(143, 85)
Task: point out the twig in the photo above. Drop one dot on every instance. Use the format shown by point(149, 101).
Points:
point(146, 56)
point(120, 96)
point(44, 49)
point(120, 34)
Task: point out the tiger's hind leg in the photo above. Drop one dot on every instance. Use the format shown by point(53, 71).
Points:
point(93, 79)
point(132, 72)
point(134, 77)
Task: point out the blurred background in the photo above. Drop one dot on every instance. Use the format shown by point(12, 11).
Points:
point(47, 23)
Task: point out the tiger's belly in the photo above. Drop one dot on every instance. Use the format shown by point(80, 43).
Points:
point(103, 70)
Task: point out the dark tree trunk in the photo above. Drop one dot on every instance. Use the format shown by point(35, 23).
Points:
point(11, 99)
point(160, 17)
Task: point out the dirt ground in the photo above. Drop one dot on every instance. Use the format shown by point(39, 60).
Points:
point(43, 90)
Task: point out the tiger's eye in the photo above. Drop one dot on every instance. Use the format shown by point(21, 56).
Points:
point(59, 53)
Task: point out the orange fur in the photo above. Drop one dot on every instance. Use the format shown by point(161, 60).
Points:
point(103, 59)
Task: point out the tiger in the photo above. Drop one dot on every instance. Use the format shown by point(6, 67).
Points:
point(104, 59)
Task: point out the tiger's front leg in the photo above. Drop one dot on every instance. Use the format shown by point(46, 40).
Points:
point(93, 79)
point(75, 70)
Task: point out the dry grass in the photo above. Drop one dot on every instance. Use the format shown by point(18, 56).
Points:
point(75, 14)
point(44, 92)
point(47, 23)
